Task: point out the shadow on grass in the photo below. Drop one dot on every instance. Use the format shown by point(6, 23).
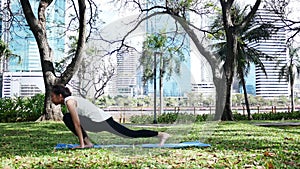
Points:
point(256, 138)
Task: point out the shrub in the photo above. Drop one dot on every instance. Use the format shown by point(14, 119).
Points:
point(141, 119)
point(270, 116)
point(190, 118)
point(169, 118)
point(21, 109)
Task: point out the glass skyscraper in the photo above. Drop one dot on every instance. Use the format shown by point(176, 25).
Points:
point(22, 41)
point(23, 77)
point(176, 85)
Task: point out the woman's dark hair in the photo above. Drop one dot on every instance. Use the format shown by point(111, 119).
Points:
point(61, 89)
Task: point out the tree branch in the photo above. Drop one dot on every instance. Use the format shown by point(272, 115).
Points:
point(74, 65)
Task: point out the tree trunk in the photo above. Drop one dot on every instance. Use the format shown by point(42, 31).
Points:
point(227, 113)
point(229, 67)
point(246, 97)
point(292, 95)
point(51, 111)
point(161, 95)
point(220, 98)
point(38, 28)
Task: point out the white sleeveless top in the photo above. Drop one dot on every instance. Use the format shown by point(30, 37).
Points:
point(87, 109)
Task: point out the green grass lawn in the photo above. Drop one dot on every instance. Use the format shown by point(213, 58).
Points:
point(234, 145)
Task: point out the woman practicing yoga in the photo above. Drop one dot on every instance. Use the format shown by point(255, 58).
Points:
point(84, 115)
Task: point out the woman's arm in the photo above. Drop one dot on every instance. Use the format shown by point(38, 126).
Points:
point(71, 105)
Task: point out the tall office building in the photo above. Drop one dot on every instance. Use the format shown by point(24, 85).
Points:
point(270, 85)
point(22, 43)
point(126, 74)
point(1, 62)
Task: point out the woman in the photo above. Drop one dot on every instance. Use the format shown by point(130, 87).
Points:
point(84, 115)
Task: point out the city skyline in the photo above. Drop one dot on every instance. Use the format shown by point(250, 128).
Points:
point(191, 67)
point(20, 40)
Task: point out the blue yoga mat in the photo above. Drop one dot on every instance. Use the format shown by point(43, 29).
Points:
point(170, 145)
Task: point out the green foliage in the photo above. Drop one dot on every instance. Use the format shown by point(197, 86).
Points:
point(141, 119)
point(6, 53)
point(270, 116)
point(169, 118)
point(177, 118)
point(21, 109)
point(169, 56)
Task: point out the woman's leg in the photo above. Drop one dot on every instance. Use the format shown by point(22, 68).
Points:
point(123, 131)
point(69, 123)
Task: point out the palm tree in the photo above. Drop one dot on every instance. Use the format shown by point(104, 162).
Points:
point(5, 54)
point(170, 58)
point(290, 69)
point(246, 55)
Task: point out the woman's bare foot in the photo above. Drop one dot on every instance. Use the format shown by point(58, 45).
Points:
point(163, 137)
point(88, 143)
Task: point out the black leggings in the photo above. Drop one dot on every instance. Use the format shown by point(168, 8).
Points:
point(108, 125)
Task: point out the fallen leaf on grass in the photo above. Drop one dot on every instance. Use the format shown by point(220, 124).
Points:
point(286, 138)
point(60, 160)
point(269, 154)
point(238, 161)
point(292, 163)
point(199, 154)
point(248, 166)
point(270, 165)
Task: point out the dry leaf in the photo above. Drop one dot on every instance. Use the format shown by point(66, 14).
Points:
point(237, 161)
point(248, 166)
point(292, 163)
point(17, 158)
point(269, 154)
point(270, 165)
point(286, 138)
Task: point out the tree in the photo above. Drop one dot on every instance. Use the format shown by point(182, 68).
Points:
point(245, 54)
point(38, 27)
point(289, 69)
point(233, 29)
point(286, 11)
point(94, 72)
point(194, 99)
point(6, 54)
point(170, 58)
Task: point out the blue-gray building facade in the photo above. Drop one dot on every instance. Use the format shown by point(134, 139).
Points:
point(22, 76)
point(22, 41)
point(178, 84)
